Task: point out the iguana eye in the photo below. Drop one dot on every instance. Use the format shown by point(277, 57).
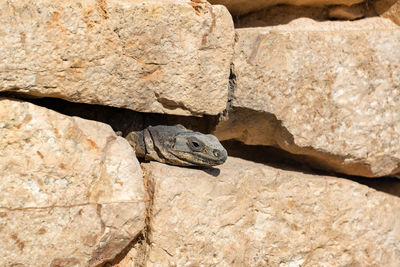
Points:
point(195, 144)
point(170, 144)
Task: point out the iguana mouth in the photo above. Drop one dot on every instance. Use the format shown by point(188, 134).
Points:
point(201, 159)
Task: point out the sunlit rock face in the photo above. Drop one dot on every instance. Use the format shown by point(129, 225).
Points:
point(72, 192)
point(299, 94)
point(248, 214)
point(327, 90)
point(159, 56)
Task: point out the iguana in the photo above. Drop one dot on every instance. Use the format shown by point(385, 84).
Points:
point(177, 145)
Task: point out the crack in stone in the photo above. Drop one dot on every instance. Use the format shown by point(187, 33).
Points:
point(65, 206)
point(98, 212)
point(172, 105)
point(142, 241)
point(149, 200)
point(204, 39)
point(231, 89)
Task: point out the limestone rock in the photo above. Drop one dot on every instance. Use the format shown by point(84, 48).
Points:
point(133, 258)
point(161, 56)
point(71, 191)
point(347, 12)
point(388, 9)
point(250, 214)
point(240, 7)
point(329, 90)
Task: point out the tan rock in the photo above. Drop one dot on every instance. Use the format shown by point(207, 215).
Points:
point(329, 90)
point(281, 14)
point(249, 214)
point(347, 12)
point(388, 9)
point(71, 191)
point(240, 7)
point(160, 56)
point(133, 258)
point(289, 14)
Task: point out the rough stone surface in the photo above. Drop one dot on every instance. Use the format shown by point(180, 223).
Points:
point(249, 214)
point(71, 191)
point(329, 90)
point(160, 56)
point(240, 7)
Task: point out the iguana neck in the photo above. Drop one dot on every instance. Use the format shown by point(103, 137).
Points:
point(136, 140)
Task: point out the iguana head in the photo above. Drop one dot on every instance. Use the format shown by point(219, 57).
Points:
point(198, 149)
point(180, 146)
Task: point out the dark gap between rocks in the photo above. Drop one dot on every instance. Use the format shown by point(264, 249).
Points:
point(266, 155)
point(126, 120)
point(141, 243)
point(231, 90)
point(284, 160)
point(137, 243)
point(120, 119)
point(284, 14)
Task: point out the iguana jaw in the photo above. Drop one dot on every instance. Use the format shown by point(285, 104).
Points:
point(200, 159)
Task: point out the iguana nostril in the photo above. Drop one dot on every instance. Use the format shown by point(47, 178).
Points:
point(217, 153)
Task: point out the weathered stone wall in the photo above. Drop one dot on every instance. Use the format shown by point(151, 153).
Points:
point(306, 93)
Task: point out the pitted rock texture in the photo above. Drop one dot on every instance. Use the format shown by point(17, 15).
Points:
point(240, 7)
point(329, 90)
point(159, 56)
point(71, 191)
point(249, 214)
